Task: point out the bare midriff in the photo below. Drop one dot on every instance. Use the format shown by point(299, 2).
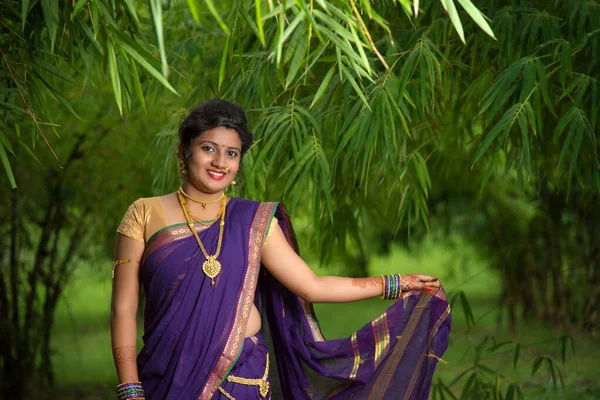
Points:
point(253, 322)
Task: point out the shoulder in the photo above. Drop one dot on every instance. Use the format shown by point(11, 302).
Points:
point(134, 221)
point(146, 202)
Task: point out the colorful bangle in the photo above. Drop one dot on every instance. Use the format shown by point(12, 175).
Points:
point(130, 391)
point(392, 286)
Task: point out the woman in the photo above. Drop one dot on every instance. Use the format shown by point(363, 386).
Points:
point(222, 278)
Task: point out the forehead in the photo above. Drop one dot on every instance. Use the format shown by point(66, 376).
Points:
point(222, 136)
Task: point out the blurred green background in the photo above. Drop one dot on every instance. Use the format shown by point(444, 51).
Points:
point(83, 360)
point(445, 137)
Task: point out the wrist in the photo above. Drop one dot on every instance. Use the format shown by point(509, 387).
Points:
point(391, 286)
point(130, 391)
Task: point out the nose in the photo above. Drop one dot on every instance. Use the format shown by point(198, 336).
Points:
point(219, 161)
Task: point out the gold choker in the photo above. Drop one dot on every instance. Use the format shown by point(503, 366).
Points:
point(203, 203)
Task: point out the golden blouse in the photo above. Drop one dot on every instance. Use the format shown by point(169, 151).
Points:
point(146, 216)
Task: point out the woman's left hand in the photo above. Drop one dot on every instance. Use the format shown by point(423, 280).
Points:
point(419, 281)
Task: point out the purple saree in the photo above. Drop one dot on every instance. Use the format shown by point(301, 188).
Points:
point(194, 333)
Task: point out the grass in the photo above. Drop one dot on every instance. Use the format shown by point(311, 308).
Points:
point(84, 367)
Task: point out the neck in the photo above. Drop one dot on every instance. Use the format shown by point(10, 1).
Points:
point(197, 194)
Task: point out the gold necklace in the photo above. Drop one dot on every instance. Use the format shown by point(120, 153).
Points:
point(205, 222)
point(211, 265)
point(203, 203)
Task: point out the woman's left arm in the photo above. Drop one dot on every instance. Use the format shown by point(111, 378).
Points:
point(291, 270)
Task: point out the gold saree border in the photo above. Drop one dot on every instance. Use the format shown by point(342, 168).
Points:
point(356, 363)
point(381, 334)
point(383, 380)
point(309, 314)
point(414, 377)
point(258, 230)
point(168, 235)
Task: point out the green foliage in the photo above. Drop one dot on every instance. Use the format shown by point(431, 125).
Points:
point(50, 48)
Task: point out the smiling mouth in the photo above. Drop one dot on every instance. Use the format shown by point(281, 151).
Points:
point(217, 175)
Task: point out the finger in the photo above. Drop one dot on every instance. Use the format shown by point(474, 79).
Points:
point(427, 278)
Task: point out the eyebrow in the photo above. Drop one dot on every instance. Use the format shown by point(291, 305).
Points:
point(217, 145)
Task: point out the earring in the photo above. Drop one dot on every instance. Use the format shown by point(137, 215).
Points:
point(233, 182)
point(182, 167)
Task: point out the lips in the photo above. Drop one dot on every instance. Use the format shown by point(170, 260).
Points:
point(216, 175)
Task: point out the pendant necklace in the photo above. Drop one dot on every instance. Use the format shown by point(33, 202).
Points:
point(211, 266)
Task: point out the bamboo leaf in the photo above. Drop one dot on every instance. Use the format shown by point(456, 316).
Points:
point(454, 18)
point(217, 16)
point(516, 355)
point(536, 364)
point(541, 76)
point(60, 73)
point(510, 392)
point(136, 84)
point(144, 63)
point(7, 167)
point(503, 125)
point(576, 147)
point(114, 76)
point(193, 10)
point(156, 9)
point(565, 62)
point(470, 319)
point(24, 13)
point(297, 61)
point(324, 85)
point(357, 88)
point(78, 7)
point(525, 156)
point(259, 22)
point(562, 124)
point(50, 11)
point(477, 16)
point(223, 63)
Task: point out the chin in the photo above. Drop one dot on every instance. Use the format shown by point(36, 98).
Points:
point(215, 187)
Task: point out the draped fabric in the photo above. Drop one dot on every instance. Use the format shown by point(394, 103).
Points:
point(194, 332)
point(392, 357)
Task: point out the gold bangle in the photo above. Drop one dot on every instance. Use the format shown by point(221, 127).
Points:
point(127, 383)
point(382, 297)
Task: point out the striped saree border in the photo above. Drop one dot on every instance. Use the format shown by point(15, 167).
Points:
point(381, 334)
point(309, 314)
point(432, 334)
point(383, 380)
point(168, 235)
point(356, 351)
point(232, 349)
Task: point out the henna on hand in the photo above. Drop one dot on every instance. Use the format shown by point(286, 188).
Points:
point(364, 282)
point(125, 357)
point(418, 281)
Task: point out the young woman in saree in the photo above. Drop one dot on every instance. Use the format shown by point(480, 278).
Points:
point(228, 312)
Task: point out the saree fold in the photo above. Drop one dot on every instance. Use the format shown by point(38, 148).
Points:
point(194, 332)
point(392, 357)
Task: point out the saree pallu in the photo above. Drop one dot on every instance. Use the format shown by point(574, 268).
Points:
point(194, 332)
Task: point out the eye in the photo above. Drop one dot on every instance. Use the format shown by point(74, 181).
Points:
point(232, 154)
point(207, 148)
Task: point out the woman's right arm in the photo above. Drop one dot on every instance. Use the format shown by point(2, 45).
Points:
point(124, 304)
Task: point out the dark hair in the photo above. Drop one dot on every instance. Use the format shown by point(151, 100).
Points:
point(210, 115)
